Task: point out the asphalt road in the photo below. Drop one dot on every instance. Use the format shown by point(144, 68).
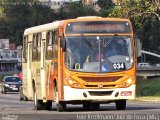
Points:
point(13, 109)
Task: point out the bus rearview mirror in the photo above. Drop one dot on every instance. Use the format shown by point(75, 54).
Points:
point(138, 47)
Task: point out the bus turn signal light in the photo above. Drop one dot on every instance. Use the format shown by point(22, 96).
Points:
point(72, 83)
point(127, 83)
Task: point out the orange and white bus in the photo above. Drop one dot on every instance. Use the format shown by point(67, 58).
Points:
point(74, 62)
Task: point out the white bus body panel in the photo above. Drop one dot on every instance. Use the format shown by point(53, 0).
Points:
point(77, 94)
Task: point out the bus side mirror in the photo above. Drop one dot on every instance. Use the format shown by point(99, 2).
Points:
point(63, 43)
point(138, 47)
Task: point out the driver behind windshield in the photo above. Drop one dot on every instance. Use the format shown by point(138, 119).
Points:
point(73, 49)
point(113, 50)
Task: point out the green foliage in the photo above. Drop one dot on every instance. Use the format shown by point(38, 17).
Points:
point(139, 11)
point(145, 17)
point(148, 87)
point(1, 11)
point(106, 7)
point(21, 14)
point(74, 10)
point(105, 4)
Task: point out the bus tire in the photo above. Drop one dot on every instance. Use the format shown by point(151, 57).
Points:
point(120, 104)
point(38, 104)
point(1, 90)
point(56, 100)
point(48, 105)
point(87, 106)
point(25, 98)
point(21, 96)
point(4, 90)
point(61, 106)
point(95, 106)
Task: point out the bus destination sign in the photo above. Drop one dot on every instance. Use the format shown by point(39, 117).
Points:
point(98, 27)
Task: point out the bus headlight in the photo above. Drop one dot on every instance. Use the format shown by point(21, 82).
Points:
point(72, 83)
point(6, 85)
point(127, 82)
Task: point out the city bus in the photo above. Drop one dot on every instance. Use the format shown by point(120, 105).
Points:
point(70, 62)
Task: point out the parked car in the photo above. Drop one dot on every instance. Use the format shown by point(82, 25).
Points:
point(11, 84)
point(158, 64)
point(143, 65)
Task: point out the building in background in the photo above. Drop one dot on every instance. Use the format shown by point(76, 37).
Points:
point(89, 2)
point(57, 4)
point(10, 56)
point(4, 44)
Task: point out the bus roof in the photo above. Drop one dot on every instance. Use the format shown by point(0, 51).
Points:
point(56, 24)
point(41, 28)
point(88, 18)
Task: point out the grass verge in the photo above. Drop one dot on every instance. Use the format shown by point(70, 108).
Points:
point(148, 89)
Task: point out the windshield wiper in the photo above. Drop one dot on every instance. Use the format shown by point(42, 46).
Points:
point(87, 41)
point(109, 41)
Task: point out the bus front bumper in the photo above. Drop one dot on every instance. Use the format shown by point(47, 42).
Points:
point(71, 94)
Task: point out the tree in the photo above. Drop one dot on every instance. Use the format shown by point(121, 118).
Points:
point(74, 10)
point(106, 7)
point(138, 10)
point(21, 14)
point(145, 17)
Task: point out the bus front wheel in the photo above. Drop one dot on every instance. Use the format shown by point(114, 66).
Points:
point(61, 106)
point(87, 106)
point(48, 105)
point(120, 104)
point(95, 106)
point(38, 104)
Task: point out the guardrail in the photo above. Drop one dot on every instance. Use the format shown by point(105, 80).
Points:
point(149, 68)
point(148, 71)
point(152, 51)
point(149, 52)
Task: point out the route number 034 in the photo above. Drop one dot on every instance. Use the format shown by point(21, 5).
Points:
point(118, 66)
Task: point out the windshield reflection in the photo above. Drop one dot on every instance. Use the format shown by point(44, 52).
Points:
point(99, 53)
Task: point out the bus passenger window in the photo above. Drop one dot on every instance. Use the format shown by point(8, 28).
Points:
point(55, 45)
point(49, 49)
point(36, 53)
point(25, 48)
point(38, 46)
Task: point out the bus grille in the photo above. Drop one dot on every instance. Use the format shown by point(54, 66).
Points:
point(104, 86)
point(100, 93)
point(100, 79)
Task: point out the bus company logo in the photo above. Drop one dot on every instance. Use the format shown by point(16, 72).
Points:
point(100, 86)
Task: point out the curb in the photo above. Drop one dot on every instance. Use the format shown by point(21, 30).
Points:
point(146, 99)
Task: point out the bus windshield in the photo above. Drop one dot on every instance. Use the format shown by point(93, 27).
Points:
point(99, 53)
